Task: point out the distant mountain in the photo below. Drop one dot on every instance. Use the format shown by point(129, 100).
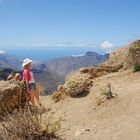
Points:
point(4, 72)
point(49, 80)
point(7, 61)
point(65, 65)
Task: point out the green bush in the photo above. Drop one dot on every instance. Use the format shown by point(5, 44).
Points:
point(107, 92)
point(78, 85)
point(136, 68)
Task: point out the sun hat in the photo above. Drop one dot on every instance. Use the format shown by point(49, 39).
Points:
point(26, 61)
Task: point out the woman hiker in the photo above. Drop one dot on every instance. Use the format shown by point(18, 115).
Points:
point(30, 85)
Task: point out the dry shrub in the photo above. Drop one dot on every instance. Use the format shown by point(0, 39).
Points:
point(134, 56)
point(27, 125)
point(60, 94)
point(57, 96)
point(78, 85)
point(107, 91)
point(103, 93)
point(98, 100)
point(71, 74)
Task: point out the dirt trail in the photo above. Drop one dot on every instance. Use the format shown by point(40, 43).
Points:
point(116, 119)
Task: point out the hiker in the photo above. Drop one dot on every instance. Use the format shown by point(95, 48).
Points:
point(29, 81)
point(18, 77)
point(26, 76)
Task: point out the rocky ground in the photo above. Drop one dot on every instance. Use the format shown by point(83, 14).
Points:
point(115, 119)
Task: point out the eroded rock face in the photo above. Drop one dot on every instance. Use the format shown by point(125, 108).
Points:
point(12, 95)
point(100, 70)
point(127, 56)
point(124, 58)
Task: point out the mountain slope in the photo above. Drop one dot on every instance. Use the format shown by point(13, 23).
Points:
point(94, 117)
point(7, 61)
point(63, 66)
point(48, 80)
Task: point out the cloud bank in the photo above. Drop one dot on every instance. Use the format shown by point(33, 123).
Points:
point(2, 52)
point(106, 45)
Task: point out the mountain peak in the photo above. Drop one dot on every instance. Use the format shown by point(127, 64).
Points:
point(90, 53)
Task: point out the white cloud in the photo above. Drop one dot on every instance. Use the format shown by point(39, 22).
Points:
point(61, 45)
point(2, 52)
point(109, 51)
point(79, 55)
point(106, 45)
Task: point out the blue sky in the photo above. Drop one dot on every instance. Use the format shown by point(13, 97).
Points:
point(96, 23)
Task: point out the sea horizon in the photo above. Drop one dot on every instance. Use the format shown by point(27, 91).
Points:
point(47, 53)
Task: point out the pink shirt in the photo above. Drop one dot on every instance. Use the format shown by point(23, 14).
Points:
point(26, 73)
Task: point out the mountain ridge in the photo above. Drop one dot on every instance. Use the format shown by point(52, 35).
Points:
point(65, 65)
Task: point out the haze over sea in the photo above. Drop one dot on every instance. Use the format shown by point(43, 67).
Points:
point(46, 53)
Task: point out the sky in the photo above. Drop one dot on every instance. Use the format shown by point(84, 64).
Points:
point(103, 24)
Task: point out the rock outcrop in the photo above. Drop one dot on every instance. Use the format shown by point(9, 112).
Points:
point(12, 95)
point(124, 58)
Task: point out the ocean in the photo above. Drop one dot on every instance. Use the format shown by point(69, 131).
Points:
point(46, 53)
